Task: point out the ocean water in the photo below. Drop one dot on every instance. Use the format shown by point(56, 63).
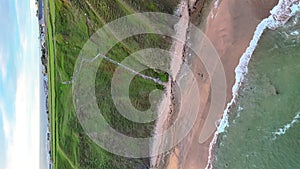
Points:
point(264, 124)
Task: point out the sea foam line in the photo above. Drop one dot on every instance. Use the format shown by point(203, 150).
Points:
point(279, 15)
point(283, 130)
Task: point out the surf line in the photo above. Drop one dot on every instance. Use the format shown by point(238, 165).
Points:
point(283, 130)
point(279, 15)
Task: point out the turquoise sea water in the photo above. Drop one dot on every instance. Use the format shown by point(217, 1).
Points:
point(264, 129)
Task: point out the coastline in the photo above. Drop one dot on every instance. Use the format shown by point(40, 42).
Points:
point(279, 15)
point(186, 149)
point(231, 36)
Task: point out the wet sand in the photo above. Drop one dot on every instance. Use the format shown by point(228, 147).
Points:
point(230, 26)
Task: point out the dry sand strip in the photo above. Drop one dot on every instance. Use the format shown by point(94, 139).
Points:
point(230, 27)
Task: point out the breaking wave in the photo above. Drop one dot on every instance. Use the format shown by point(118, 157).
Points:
point(279, 15)
point(283, 130)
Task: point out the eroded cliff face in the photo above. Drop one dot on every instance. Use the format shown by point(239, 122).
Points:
point(168, 105)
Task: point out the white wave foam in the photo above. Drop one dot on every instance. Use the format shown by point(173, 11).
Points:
point(283, 130)
point(241, 70)
point(240, 108)
point(281, 11)
point(279, 15)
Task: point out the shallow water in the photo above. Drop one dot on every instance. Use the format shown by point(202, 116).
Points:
point(268, 104)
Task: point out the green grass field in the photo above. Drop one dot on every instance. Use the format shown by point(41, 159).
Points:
point(69, 26)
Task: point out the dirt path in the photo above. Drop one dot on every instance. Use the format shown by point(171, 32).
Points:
point(66, 157)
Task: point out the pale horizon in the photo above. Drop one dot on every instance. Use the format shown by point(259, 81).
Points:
point(19, 85)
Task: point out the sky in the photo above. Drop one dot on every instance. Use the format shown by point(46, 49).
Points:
point(19, 85)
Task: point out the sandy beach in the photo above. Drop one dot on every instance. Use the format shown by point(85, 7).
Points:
point(230, 25)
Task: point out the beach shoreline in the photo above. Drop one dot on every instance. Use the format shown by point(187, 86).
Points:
point(230, 26)
point(279, 15)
